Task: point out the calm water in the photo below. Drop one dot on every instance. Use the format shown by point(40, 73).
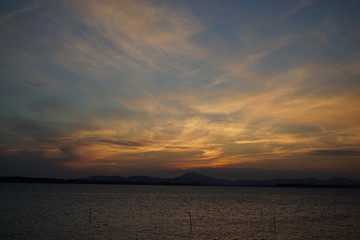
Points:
point(55, 211)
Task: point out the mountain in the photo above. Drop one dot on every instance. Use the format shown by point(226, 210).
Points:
point(145, 179)
point(342, 181)
point(198, 179)
point(103, 178)
point(192, 178)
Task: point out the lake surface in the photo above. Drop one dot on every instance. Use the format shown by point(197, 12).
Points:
point(75, 211)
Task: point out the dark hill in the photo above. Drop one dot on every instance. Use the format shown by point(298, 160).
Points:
point(192, 178)
point(198, 179)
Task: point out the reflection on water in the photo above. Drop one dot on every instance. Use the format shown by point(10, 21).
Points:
point(56, 211)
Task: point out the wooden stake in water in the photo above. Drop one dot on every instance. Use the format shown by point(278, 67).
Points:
point(274, 222)
point(261, 214)
point(190, 221)
point(90, 215)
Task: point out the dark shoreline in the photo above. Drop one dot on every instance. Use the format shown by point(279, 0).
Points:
point(165, 183)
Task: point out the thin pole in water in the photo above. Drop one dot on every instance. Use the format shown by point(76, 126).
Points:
point(274, 222)
point(190, 221)
point(90, 215)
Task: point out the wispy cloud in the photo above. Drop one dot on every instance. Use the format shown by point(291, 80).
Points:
point(242, 68)
point(336, 152)
point(301, 4)
point(34, 5)
point(147, 33)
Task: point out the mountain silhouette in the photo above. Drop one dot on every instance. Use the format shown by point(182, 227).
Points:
point(103, 178)
point(198, 179)
point(193, 178)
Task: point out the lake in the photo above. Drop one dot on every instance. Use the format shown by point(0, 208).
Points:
point(90, 211)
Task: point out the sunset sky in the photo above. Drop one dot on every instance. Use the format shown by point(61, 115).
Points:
point(234, 89)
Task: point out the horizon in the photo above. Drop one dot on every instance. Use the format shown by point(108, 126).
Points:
point(153, 87)
point(241, 174)
point(186, 174)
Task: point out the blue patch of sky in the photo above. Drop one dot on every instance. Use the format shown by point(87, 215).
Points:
point(9, 6)
point(286, 58)
point(331, 19)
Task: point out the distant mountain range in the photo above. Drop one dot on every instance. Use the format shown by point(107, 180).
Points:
point(192, 178)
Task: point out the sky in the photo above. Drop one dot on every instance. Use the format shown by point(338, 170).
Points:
point(244, 89)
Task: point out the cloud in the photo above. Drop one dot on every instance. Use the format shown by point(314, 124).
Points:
point(138, 31)
point(50, 105)
point(297, 129)
point(51, 163)
point(35, 5)
point(165, 125)
point(336, 152)
point(123, 143)
point(31, 128)
point(242, 68)
point(301, 4)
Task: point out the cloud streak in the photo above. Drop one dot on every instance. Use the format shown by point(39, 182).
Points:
point(140, 30)
point(336, 152)
point(23, 10)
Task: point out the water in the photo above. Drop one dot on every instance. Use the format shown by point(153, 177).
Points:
point(56, 211)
